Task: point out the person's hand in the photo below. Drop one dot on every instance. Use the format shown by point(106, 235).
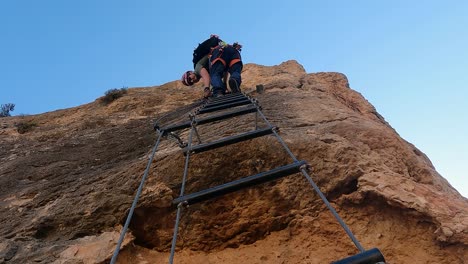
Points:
point(214, 36)
point(207, 92)
point(237, 46)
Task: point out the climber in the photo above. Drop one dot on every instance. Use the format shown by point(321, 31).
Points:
point(223, 60)
point(201, 64)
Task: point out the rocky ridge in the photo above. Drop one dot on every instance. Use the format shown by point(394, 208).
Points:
point(67, 185)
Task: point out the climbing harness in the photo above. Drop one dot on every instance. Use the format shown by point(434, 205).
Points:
point(229, 106)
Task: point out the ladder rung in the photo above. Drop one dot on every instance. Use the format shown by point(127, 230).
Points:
point(223, 106)
point(229, 140)
point(226, 97)
point(242, 111)
point(229, 187)
point(225, 102)
point(238, 112)
point(371, 256)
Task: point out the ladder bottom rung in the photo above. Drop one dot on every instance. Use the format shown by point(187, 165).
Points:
point(371, 256)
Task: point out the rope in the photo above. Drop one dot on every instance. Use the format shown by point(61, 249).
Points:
point(135, 201)
point(182, 190)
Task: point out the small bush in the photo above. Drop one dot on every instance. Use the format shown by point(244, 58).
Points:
point(93, 123)
point(113, 94)
point(5, 109)
point(26, 126)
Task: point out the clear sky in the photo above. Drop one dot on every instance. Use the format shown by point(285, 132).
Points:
point(408, 58)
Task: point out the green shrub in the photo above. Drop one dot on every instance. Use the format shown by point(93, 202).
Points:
point(113, 94)
point(25, 126)
point(5, 109)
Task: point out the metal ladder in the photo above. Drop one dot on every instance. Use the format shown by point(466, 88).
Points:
point(229, 106)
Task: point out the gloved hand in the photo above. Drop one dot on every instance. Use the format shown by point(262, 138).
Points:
point(214, 36)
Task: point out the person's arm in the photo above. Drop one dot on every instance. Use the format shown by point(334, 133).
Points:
point(206, 77)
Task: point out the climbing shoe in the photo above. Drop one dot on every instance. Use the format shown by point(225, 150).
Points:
point(218, 94)
point(234, 86)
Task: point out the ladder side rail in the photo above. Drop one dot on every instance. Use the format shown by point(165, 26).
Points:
point(317, 189)
point(135, 201)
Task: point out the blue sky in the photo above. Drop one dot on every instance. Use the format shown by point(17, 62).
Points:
point(408, 58)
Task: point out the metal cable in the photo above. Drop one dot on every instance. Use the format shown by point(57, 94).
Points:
point(182, 190)
point(174, 136)
point(317, 189)
point(135, 201)
point(332, 210)
point(277, 136)
point(176, 114)
point(198, 135)
point(187, 159)
point(174, 236)
point(256, 120)
point(303, 170)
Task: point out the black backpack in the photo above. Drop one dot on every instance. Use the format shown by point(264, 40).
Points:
point(204, 48)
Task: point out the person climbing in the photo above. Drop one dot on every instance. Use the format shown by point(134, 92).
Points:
point(226, 59)
point(201, 64)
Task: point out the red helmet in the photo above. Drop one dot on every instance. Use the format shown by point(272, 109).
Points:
point(186, 80)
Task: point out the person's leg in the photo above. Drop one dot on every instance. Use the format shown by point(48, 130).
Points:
point(216, 75)
point(225, 81)
point(235, 79)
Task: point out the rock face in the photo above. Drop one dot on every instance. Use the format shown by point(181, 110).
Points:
point(66, 186)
